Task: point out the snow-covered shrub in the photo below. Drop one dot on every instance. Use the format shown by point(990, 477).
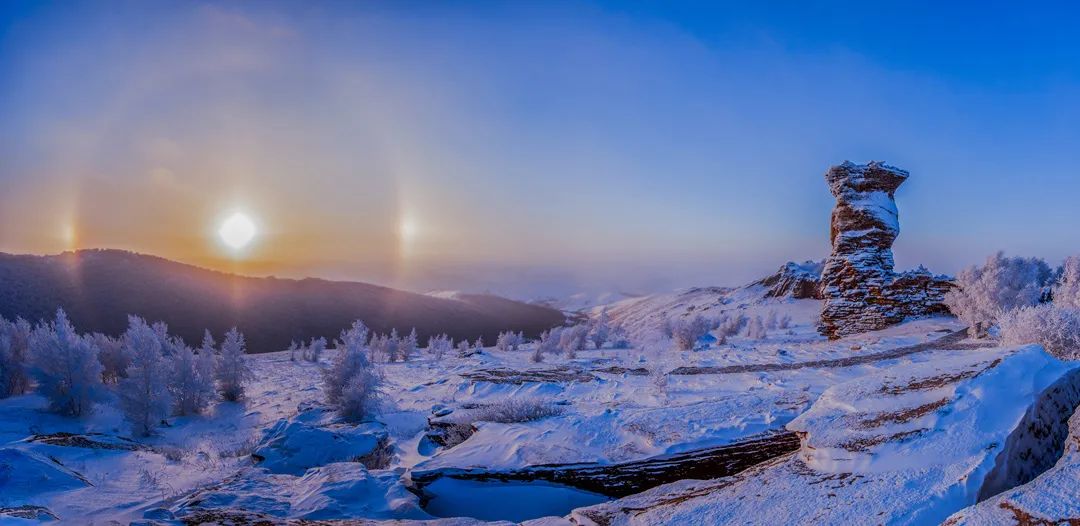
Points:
point(293, 349)
point(771, 323)
point(732, 325)
point(514, 411)
point(232, 370)
point(619, 338)
point(463, 348)
point(65, 366)
point(785, 321)
point(572, 340)
point(144, 394)
point(113, 356)
point(600, 330)
point(315, 349)
point(350, 383)
point(478, 345)
point(755, 330)
point(14, 348)
point(1055, 327)
point(504, 341)
point(439, 345)
point(1066, 291)
point(983, 293)
point(686, 332)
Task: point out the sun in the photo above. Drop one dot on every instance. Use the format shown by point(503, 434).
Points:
point(237, 231)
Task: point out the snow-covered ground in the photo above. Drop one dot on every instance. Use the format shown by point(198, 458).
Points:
point(279, 454)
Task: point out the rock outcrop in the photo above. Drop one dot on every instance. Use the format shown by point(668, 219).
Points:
point(794, 280)
point(904, 446)
point(860, 288)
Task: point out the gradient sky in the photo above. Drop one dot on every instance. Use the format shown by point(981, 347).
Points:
point(533, 147)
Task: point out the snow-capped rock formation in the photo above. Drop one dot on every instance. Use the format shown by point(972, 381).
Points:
point(861, 291)
point(794, 280)
point(909, 446)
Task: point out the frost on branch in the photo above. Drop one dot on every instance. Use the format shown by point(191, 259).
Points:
point(984, 293)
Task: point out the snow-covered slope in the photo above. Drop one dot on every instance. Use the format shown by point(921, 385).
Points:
point(905, 445)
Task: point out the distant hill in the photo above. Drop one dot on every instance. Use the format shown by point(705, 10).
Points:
point(99, 288)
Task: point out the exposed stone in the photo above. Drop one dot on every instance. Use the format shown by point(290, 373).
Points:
point(860, 288)
point(794, 280)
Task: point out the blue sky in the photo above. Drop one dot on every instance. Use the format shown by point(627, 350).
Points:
point(526, 147)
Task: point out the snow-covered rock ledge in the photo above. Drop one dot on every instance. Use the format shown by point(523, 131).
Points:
point(1050, 499)
point(902, 446)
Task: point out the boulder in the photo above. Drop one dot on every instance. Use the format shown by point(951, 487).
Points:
point(860, 288)
point(794, 280)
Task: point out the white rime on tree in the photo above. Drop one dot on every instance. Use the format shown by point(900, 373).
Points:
point(983, 293)
point(232, 370)
point(113, 356)
point(14, 349)
point(65, 366)
point(478, 345)
point(771, 323)
point(505, 341)
point(206, 365)
point(392, 346)
point(191, 381)
point(1055, 327)
point(732, 325)
point(144, 394)
point(293, 348)
point(572, 340)
point(351, 384)
point(686, 332)
point(439, 345)
point(600, 330)
point(755, 330)
point(1067, 290)
point(315, 349)
point(408, 345)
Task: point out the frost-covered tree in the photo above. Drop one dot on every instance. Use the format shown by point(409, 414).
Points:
point(785, 321)
point(600, 330)
point(619, 337)
point(315, 349)
point(392, 347)
point(190, 385)
point(232, 370)
point(144, 394)
point(1055, 327)
point(505, 341)
point(686, 332)
point(113, 356)
point(1066, 291)
point(293, 349)
point(351, 383)
point(732, 325)
point(478, 345)
point(65, 366)
point(463, 348)
point(408, 345)
point(572, 340)
point(755, 330)
point(771, 323)
point(439, 345)
point(14, 349)
point(983, 293)
point(205, 367)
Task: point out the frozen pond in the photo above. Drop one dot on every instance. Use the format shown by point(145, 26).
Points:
point(510, 501)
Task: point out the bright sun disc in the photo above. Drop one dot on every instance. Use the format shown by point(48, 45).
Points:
point(237, 231)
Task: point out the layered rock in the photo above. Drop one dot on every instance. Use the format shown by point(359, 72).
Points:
point(794, 280)
point(902, 446)
point(861, 290)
